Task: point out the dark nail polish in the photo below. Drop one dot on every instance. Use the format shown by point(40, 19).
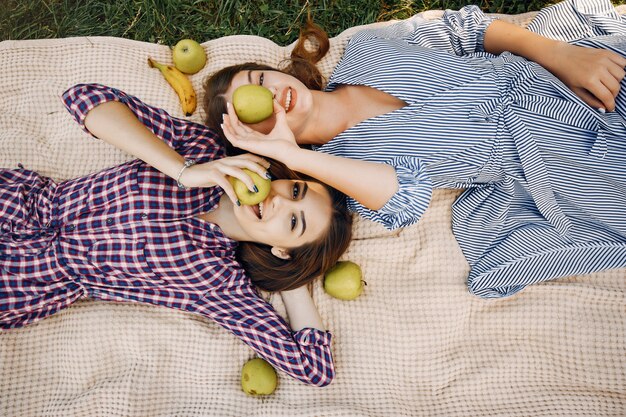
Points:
point(268, 175)
point(238, 203)
point(256, 190)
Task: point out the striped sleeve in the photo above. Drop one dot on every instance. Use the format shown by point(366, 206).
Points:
point(187, 138)
point(574, 20)
point(411, 200)
point(458, 32)
point(305, 355)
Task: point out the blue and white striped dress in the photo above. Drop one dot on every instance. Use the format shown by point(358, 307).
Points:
point(545, 173)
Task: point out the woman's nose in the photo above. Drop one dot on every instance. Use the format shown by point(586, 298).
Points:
point(279, 200)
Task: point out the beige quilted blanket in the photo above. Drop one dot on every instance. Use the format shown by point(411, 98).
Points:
point(415, 344)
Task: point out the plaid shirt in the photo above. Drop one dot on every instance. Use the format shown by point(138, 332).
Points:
point(129, 233)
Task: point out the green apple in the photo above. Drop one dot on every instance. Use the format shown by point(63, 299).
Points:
point(343, 281)
point(247, 197)
point(188, 56)
point(258, 377)
point(253, 103)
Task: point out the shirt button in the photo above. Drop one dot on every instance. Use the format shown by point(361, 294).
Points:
point(143, 215)
point(109, 221)
point(70, 227)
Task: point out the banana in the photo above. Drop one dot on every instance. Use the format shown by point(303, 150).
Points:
point(181, 85)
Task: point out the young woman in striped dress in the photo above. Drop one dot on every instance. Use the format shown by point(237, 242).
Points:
point(536, 135)
point(159, 231)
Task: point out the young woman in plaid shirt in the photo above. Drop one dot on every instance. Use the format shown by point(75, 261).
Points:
point(164, 231)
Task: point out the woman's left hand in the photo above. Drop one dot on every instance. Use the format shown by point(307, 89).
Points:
point(593, 74)
point(277, 144)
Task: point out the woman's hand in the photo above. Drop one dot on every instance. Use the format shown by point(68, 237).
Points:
point(216, 172)
point(277, 144)
point(593, 74)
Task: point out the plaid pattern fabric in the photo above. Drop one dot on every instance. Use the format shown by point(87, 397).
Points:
point(129, 233)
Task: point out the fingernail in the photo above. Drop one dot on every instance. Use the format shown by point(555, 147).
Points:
point(238, 203)
point(602, 110)
point(256, 190)
point(268, 175)
point(228, 104)
point(222, 126)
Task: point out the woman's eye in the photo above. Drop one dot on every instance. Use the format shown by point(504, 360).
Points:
point(261, 78)
point(296, 190)
point(294, 221)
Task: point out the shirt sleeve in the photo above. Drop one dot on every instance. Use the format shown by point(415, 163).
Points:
point(411, 200)
point(459, 32)
point(189, 139)
point(575, 20)
point(304, 355)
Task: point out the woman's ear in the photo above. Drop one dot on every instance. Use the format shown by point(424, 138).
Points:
point(280, 253)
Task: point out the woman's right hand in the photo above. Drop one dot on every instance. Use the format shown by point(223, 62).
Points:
point(216, 172)
point(278, 144)
point(595, 75)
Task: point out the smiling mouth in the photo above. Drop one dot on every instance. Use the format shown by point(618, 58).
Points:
point(288, 100)
point(258, 210)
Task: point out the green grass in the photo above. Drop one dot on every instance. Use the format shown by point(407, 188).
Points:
point(167, 21)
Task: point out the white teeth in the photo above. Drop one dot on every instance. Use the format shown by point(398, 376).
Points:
point(288, 100)
point(261, 209)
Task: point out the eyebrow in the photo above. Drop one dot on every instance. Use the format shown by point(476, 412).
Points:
point(304, 190)
point(249, 76)
point(303, 222)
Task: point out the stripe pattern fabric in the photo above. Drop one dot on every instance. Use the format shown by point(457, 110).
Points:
point(129, 234)
point(544, 173)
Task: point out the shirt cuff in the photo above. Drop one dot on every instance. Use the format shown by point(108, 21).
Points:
point(468, 25)
point(82, 98)
point(480, 36)
point(414, 191)
point(312, 337)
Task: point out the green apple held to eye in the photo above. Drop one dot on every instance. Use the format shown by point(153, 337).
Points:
point(343, 281)
point(247, 197)
point(188, 56)
point(253, 103)
point(258, 377)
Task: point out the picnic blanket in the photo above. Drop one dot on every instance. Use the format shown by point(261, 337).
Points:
point(416, 343)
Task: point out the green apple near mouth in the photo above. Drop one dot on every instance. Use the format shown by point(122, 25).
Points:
point(247, 197)
point(188, 56)
point(258, 377)
point(344, 281)
point(253, 103)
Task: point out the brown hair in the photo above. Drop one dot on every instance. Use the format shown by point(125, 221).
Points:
point(308, 261)
point(301, 65)
point(313, 259)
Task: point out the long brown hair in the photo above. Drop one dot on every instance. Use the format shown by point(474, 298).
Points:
point(310, 260)
point(306, 262)
point(301, 65)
